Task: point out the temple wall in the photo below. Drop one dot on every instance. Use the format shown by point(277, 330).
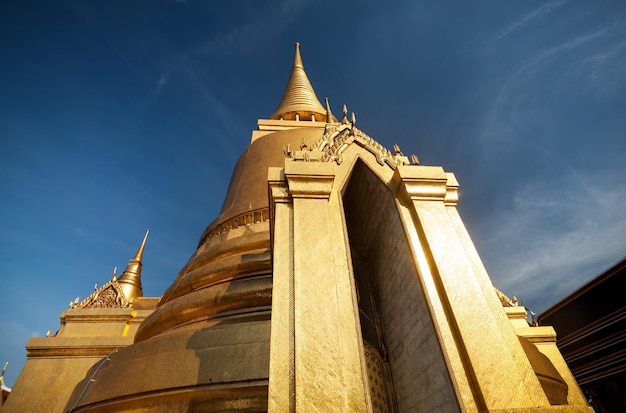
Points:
point(56, 375)
point(414, 350)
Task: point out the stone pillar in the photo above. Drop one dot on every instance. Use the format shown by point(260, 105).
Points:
point(486, 361)
point(315, 360)
point(281, 397)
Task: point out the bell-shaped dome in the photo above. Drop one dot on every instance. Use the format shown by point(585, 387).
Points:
point(206, 346)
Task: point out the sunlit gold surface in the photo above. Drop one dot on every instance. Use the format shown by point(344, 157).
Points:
point(316, 305)
point(247, 190)
point(488, 366)
point(130, 280)
point(57, 363)
point(211, 328)
point(265, 314)
point(299, 98)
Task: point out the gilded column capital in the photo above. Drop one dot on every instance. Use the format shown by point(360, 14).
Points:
point(421, 183)
point(427, 183)
point(309, 179)
point(452, 190)
point(541, 334)
point(277, 186)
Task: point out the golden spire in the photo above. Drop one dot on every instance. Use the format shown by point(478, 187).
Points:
point(299, 100)
point(130, 280)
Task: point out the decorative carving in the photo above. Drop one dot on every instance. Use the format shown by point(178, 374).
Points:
point(380, 386)
point(505, 300)
point(247, 218)
point(344, 120)
point(110, 295)
point(337, 138)
point(396, 150)
point(106, 299)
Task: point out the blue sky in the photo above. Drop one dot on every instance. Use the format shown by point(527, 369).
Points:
point(120, 116)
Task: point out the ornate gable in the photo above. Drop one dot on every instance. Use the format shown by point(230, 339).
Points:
point(338, 137)
point(110, 295)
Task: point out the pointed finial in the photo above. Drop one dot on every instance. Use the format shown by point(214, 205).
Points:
point(139, 253)
point(130, 280)
point(414, 160)
point(114, 273)
point(299, 101)
point(345, 115)
point(330, 118)
point(3, 369)
point(297, 60)
point(353, 120)
point(396, 150)
point(329, 114)
point(48, 332)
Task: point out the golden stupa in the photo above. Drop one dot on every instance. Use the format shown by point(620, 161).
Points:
point(338, 276)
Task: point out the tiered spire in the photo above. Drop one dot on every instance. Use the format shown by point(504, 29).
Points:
point(118, 292)
point(130, 280)
point(299, 100)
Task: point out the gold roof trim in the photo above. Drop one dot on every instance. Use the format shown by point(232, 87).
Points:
point(247, 218)
point(337, 138)
point(299, 100)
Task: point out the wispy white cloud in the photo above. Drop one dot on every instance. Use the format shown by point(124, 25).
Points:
point(249, 33)
point(517, 92)
point(556, 227)
point(163, 78)
point(191, 67)
point(607, 65)
point(537, 13)
point(546, 55)
point(219, 110)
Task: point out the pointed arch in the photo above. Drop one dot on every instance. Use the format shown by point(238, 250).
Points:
point(401, 322)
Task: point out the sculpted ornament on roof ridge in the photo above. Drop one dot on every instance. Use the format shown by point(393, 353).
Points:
point(110, 295)
point(337, 138)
